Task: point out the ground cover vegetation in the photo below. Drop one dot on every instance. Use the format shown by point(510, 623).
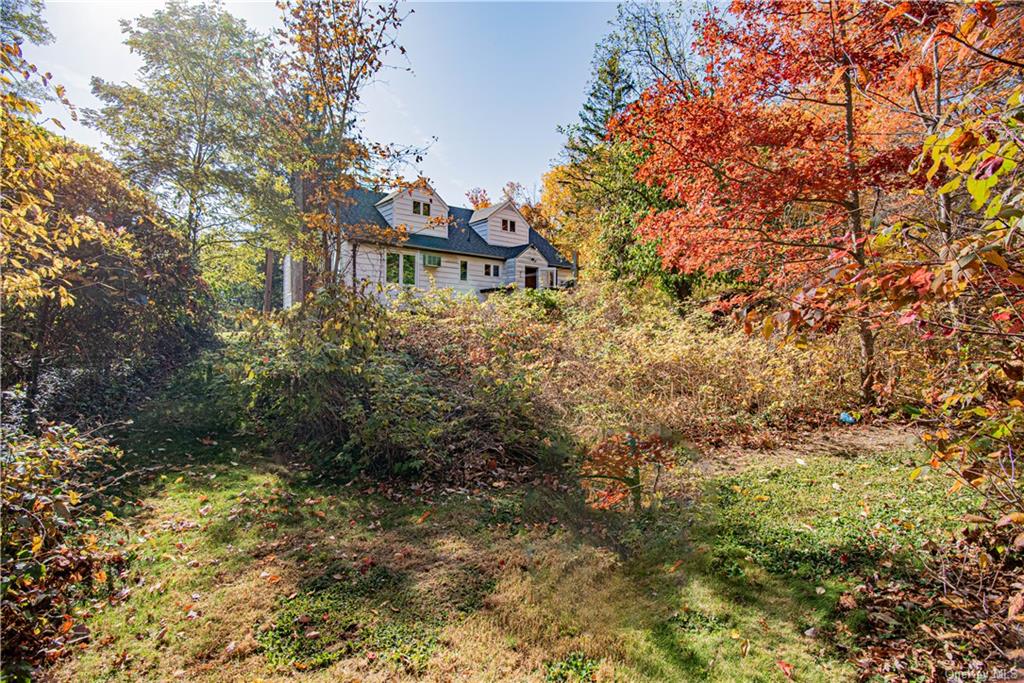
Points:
point(769, 433)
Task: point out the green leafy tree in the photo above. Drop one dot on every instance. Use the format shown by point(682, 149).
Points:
point(594, 198)
point(334, 51)
point(189, 131)
point(21, 22)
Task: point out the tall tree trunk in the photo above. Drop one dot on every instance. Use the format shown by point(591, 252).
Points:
point(856, 223)
point(269, 265)
point(192, 230)
point(325, 247)
point(355, 251)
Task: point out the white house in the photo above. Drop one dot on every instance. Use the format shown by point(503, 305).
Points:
point(443, 246)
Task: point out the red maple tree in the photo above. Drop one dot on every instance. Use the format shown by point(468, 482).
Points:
point(778, 162)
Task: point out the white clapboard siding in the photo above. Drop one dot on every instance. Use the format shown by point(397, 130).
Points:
point(533, 259)
point(446, 276)
point(498, 237)
point(398, 211)
point(371, 267)
point(481, 228)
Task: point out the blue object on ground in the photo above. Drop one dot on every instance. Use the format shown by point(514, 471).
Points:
point(847, 419)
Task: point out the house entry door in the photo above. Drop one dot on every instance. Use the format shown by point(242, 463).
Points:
point(530, 281)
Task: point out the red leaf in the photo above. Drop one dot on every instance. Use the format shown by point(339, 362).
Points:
point(897, 11)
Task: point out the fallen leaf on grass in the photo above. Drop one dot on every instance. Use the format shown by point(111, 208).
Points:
point(424, 516)
point(785, 667)
point(675, 566)
point(1016, 605)
point(1012, 518)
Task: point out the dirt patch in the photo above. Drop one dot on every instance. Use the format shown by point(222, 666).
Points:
point(838, 441)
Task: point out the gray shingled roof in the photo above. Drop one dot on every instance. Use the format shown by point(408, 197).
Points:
point(462, 239)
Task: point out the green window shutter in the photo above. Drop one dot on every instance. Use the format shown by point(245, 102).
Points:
point(408, 269)
point(392, 269)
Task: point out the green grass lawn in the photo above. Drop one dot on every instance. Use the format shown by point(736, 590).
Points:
point(245, 569)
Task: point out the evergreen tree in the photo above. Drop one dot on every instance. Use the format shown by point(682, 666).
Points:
point(611, 89)
point(647, 43)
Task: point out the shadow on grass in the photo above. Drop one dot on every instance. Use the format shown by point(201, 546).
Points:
point(680, 595)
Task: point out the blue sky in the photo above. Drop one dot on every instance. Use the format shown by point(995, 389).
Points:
point(490, 80)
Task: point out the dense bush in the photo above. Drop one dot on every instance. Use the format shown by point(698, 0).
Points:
point(53, 553)
point(316, 379)
point(128, 296)
point(435, 382)
point(601, 359)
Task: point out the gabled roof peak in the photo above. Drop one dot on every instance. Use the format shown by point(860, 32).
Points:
point(486, 212)
point(420, 183)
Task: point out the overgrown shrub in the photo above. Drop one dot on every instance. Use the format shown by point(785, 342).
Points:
point(316, 379)
point(127, 294)
point(603, 360)
point(53, 553)
point(621, 468)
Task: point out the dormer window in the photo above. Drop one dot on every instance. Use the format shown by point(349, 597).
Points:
point(507, 225)
point(421, 208)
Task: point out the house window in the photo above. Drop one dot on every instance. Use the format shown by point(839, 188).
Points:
point(408, 269)
point(511, 226)
point(392, 269)
point(463, 270)
point(421, 208)
point(491, 271)
point(401, 268)
point(507, 225)
point(552, 278)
